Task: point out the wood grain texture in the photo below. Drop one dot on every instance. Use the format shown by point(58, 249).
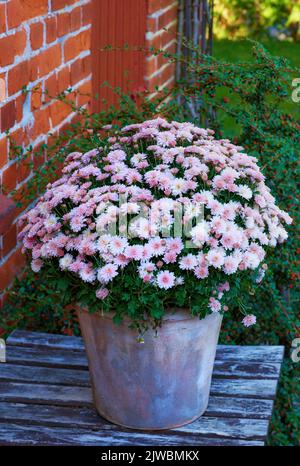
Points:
point(88, 418)
point(270, 354)
point(46, 357)
point(45, 397)
point(42, 393)
point(18, 391)
point(257, 370)
point(25, 338)
point(13, 434)
point(80, 377)
point(254, 388)
point(46, 375)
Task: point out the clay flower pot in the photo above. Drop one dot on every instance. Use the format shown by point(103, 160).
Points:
point(159, 384)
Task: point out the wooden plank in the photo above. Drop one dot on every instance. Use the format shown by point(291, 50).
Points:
point(44, 375)
point(46, 357)
point(252, 388)
point(88, 418)
point(77, 361)
point(78, 377)
point(81, 396)
point(256, 370)
point(239, 407)
point(71, 417)
point(25, 338)
point(51, 415)
point(227, 427)
point(270, 354)
point(250, 353)
point(42, 356)
point(13, 434)
point(45, 394)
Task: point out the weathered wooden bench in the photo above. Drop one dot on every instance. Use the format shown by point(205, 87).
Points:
point(45, 397)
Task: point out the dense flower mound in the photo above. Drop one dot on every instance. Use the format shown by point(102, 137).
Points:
point(117, 207)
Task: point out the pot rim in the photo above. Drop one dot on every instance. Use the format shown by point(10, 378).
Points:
point(172, 316)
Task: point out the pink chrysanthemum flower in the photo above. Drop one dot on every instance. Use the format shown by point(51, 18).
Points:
point(165, 279)
point(249, 320)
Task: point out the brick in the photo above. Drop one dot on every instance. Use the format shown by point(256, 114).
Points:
point(162, 77)
point(14, 13)
point(86, 12)
point(51, 29)
point(11, 46)
point(3, 90)
point(167, 17)
point(52, 139)
point(155, 5)
point(87, 64)
point(18, 77)
point(48, 60)
point(162, 39)
point(32, 9)
point(152, 25)
point(63, 24)
point(23, 195)
point(151, 66)
point(63, 79)
point(80, 69)
point(11, 267)
point(36, 35)
point(19, 107)
point(7, 213)
point(58, 4)
point(36, 97)
point(23, 10)
point(38, 156)
point(75, 18)
point(9, 240)
point(9, 177)
point(7, 116)
point(2, 18)
point(77, 44)
point(59, 112)
point(41, 123)
point(3, 152)
point(161, 60)
point(23, 169)
point(51, 87)
point(84, 93)
point(19, 138)
point(33, 66)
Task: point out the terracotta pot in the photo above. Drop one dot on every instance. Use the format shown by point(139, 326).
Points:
point(159, 384)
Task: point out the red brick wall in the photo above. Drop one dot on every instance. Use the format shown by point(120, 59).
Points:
point(44, 44)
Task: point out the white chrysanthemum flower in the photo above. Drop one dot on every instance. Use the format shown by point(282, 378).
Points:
point(65, 261)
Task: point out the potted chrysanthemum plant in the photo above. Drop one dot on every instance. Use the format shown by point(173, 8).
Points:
point(156, 232)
